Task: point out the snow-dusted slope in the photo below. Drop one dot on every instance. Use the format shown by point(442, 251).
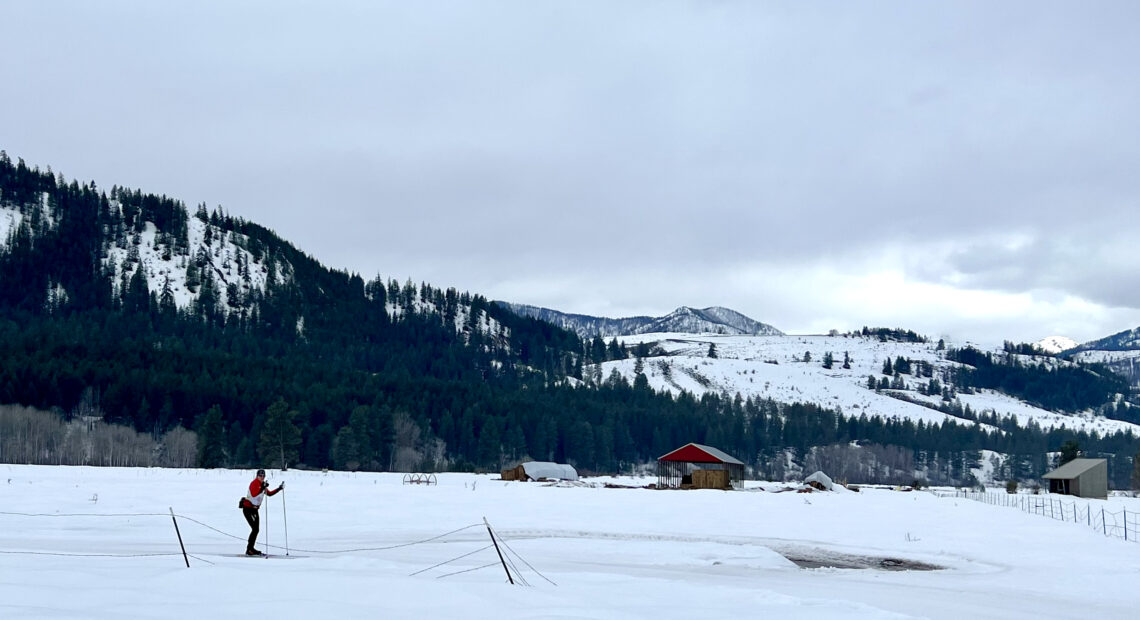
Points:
point(774, 367)
point(715, 320)
point(228, 263)
point(1120, 352)
point(238, 276)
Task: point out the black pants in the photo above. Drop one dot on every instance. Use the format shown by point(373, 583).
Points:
point(253, 518)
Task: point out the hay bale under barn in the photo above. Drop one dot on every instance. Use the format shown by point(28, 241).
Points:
point(711, 479)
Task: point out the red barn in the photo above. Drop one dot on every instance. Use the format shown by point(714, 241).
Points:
point(693, 466)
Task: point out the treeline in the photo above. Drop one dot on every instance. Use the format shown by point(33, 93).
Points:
point(34, 437)
point(414, 413)
point(155, 382)
point(1024, 348)
point(885, 334)
point(870, 463)
point(1068, 387)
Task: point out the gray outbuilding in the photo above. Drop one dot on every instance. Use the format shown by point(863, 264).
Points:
point(1080, 477)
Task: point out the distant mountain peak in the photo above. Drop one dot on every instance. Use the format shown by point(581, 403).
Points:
point(1056, 344)
point(712, 320)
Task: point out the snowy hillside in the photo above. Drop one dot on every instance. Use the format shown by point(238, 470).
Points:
point(212, 258)
point(1120, 352)
point(714, 320)
point(790, 369)
point(1125, 340)
point(237, 272)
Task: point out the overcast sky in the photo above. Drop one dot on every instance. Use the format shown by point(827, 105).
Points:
point(963, 169)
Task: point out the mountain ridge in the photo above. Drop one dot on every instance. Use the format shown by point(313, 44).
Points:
point(1120, 352)
point(711, 320)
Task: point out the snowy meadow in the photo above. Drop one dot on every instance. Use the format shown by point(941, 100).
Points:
point(80, 542)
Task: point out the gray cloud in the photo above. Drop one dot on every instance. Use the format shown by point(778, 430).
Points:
point(638, 156)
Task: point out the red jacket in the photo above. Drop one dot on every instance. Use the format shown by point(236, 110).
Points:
point(258, 489)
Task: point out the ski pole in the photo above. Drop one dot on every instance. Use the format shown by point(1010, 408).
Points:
point(285, 517)
point(265, 501)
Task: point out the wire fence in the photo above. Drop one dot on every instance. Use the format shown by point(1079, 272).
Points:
point(508, 559)
point(1122, 524)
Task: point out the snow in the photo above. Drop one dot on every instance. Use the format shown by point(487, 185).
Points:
point(9, 221)
point(1056, 344)
point(554, 471)
point(222, 253)
point(822, 479)
point(773, 367)
point(984, 473)
point(613, 553)
point(1106, 357)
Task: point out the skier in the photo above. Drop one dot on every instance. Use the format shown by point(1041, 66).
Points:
point(251, 503)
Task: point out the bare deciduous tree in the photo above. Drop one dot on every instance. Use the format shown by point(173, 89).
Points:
point(406, 450)
point(37, 437)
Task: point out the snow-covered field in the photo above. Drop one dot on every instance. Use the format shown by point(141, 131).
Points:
point(774, 367)
point(368, 546)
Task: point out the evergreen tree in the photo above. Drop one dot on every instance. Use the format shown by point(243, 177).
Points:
point(346, 451)
point(211, 439)
point(166, 299)
point(597, 350)
point(137, 296)
point(902, 365)
point(615, 350)
point(1069, 451)
point(193, 276)
point(712, 350)
point(489, 446)
point(280, 437)
point(365, 445)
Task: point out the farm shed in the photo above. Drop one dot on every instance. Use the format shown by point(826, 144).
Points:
point(540, 470)
point(693, 466)
point(1080, 477)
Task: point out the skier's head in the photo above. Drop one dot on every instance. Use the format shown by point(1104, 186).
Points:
point(261, 473)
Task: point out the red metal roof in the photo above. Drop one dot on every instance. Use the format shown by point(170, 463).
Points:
point(696, 453)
